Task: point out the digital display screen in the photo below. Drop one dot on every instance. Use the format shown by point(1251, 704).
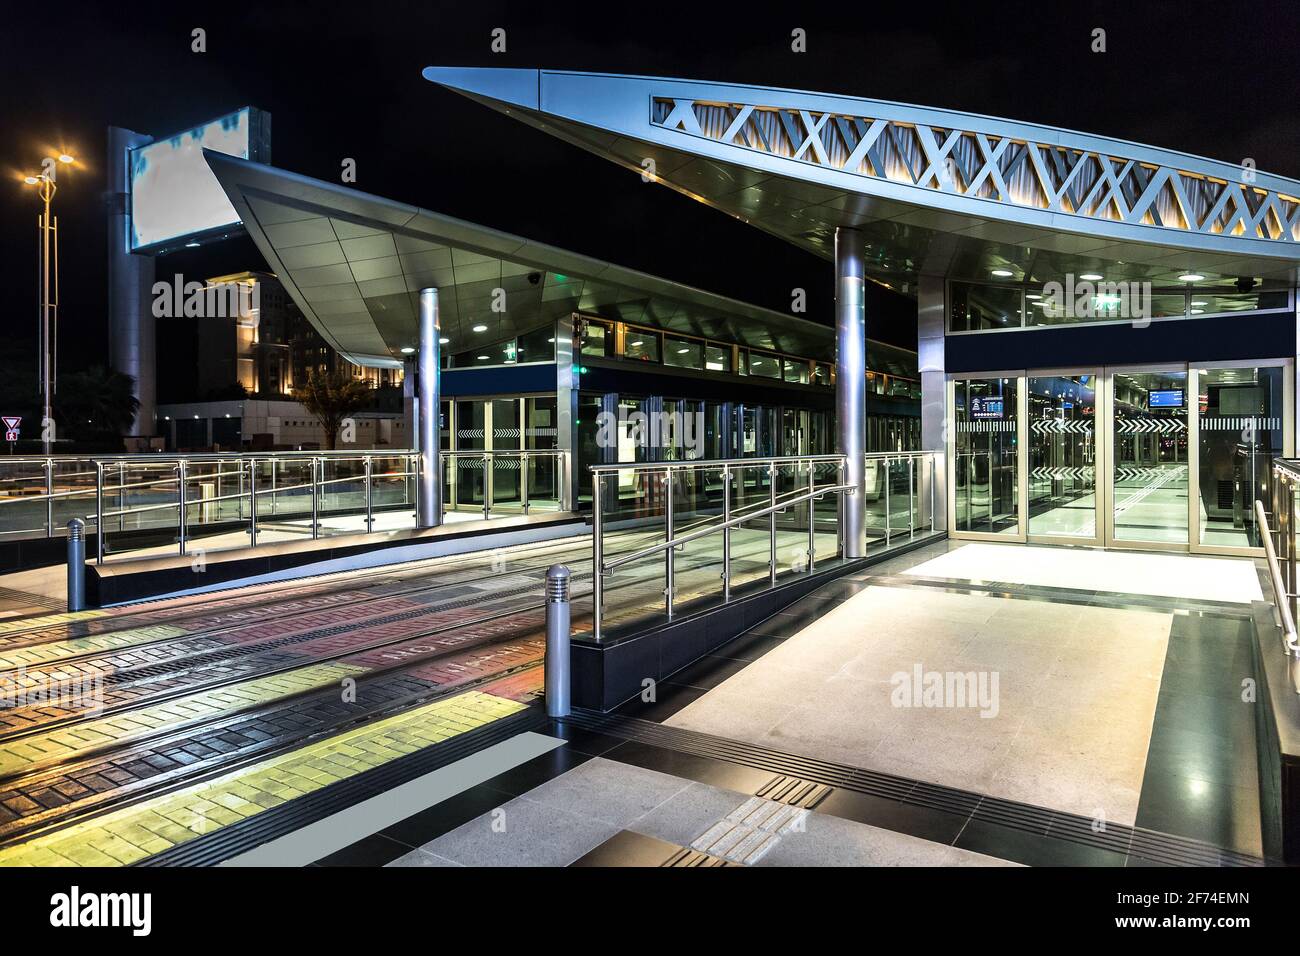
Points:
point(1166, 398)
point(986, 407)
point(174, 195)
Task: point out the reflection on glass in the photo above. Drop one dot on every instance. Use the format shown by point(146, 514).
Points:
point(978, 307)
point(641, 345)
point(683, 353)
point(1150, 468)
point(1063, 456)
point(986, 466)
point(1240, 419)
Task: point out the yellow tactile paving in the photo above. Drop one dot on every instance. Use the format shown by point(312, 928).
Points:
point(57, 650)
point(133, 833)
point(45, 620)
point(120, 728)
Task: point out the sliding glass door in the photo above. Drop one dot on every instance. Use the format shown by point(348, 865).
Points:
point(1158, 457)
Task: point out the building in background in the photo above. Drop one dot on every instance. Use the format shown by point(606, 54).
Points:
point(246, 366)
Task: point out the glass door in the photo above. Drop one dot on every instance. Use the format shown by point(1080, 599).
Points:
point(1150, 468)
point(1240, 412)
point(1063, 451)
point(986, 470)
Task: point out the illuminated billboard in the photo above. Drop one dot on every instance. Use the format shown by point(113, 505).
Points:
point(175, 199)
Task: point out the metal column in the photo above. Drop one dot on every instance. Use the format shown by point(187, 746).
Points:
point(851, 386)
point(429, 492)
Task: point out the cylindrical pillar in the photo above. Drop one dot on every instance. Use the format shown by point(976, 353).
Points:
point(76, 565)
point(557, 680)
point(429, 492)
point(851, 386)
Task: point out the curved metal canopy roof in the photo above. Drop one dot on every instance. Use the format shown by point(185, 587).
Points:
point(934, 192)
point(355, 263)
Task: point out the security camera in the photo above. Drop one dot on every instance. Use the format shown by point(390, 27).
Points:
point(534, 278)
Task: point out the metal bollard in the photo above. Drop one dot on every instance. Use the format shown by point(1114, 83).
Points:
point(76, 565)
point(557, 641)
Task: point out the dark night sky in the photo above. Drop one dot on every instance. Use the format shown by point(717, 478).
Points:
point(344, 81)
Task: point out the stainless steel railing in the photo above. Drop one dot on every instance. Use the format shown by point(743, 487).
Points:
point(214, 498)
point(777, 498)
point(1280, 554)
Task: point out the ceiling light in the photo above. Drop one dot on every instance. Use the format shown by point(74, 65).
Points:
point(482, 358)
point(191, 245)
point(1032, 295)
point(1194, 302)
point(444, 340)
point(635, 344)
point(550, 340)
point(1091, 277)
point(1003, 273)
point(682, 351)
point(65, 158)
point(480, 328)
point(408, 350)
point(1190, 277)
point(30, 180)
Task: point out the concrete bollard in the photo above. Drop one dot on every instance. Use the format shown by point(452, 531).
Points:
point(557, 641)
point(76, 565)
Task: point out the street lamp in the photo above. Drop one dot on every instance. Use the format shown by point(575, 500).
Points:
point(48, 227)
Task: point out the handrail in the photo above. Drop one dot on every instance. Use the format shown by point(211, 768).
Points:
point(1290, 640)
point(680, 540)
point(712, 463)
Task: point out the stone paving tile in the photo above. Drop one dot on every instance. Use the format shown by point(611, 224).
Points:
point(133, 833)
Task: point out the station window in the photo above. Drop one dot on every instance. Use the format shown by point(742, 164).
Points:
point(537, 345)
point(795, 370)
point(821, 374)
point(683, 353)
point(597, 339)
point(764, 366)
point(641, 345)
point(981, 307)
point(717, 358)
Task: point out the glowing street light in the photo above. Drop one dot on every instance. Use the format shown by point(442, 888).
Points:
point(48, 226)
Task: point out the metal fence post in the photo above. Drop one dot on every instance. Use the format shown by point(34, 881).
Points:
point(523, 481)
point(49, 497)
point(370, 481)
point(557, 677)
point(315, 498)
point(488, 489)
point(121, 496)
point(888, 516)
point(670, 566)
point(597, 558)
point(252, 502)
point(812, 519)
point(726, 533)
point(771, 523)
point(911, 494)
point(99, 512)
point(76, 565)
point(180, 503)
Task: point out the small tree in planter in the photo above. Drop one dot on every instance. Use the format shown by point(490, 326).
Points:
point(332, 397)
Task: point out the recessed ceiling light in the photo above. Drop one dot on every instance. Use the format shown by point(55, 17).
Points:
point(1194, 302)
point(191, 245)
point(636, 343)
point(408, 350)
point(1033, 295)
point(1091, 277)
point(1198, 311)
point(1190, 277)
point(480, 328)
point(682, 351)
point(1003, 273)
point(444, 340)
point(482, 358)
point(550, 340)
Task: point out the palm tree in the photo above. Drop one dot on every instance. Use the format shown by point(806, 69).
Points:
point(97, 401)
point(332, 397)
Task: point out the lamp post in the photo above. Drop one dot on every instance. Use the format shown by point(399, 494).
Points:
point(46, 188)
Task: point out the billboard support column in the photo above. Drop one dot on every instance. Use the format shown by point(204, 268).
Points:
point(131, 320)
point(851, 386)
point(429, 491)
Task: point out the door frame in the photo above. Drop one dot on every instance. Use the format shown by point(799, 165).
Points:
point(1104, 436)
point(1100, 420)
point(950, 456)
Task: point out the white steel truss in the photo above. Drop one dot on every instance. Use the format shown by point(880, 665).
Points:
point(1057, 177)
